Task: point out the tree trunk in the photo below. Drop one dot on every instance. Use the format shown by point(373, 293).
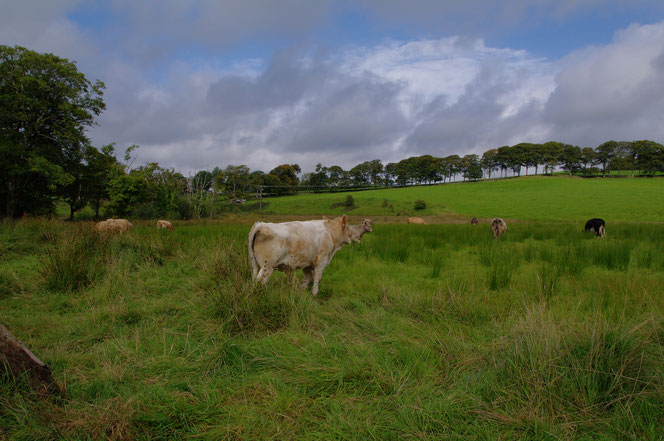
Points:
point(17, 360)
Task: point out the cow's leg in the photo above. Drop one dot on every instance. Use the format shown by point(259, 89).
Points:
point(308, 275)
point(318, 272)
point(264, 274)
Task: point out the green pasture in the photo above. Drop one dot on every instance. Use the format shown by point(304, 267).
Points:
point(419, 332)
point(537, 198)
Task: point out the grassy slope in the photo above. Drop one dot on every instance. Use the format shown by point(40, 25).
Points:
point(527, 198)
point(428, 332)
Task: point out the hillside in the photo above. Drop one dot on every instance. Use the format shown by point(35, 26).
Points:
point(537, 198)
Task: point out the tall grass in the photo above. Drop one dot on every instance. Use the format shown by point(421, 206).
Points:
point(426, 332)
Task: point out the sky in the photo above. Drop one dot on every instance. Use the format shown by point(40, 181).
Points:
point(205, 83)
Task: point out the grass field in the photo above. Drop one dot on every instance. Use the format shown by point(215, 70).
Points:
point(419, 332)
point(537, 198)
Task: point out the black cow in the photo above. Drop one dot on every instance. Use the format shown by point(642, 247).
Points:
point(596, 225)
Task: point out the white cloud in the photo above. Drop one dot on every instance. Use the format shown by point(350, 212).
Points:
point(613, 91)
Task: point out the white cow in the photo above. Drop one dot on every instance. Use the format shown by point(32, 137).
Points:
point(289, 246)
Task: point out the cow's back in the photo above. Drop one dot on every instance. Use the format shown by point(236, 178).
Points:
point(292, 244)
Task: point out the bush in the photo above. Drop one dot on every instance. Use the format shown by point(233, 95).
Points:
point(350, 202)
point(420, 204)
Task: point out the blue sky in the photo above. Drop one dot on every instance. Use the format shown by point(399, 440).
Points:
point(203, 83)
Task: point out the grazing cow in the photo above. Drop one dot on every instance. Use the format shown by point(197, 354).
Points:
point(161, 224)
point(114, 225)
point(357, 231)
point(416, 220)
point(474, 221)
point(498, 226)
point(288, 246)
point(596, 225)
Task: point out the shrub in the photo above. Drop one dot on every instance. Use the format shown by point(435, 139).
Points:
point(420, 204)
point(349, 202)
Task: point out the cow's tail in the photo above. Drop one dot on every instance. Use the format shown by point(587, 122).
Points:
point(252, 258)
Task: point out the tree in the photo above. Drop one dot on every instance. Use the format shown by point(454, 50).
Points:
point(234, 180)
point(375, 170)
point(286, 176)
point(570, 158)
point(45, 106)
point(588, 157)
point(489, 161)
point(650, 156)
point(471, 167)
point(551, 152)
point(101, 167)
point(605, 153)
point(318, 179)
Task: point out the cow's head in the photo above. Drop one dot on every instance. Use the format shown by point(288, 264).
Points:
point(366, 224)
point(345, 230)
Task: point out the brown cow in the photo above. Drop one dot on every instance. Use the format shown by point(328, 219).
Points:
point(288, 246)
point(498, 226)
point(357, 231)
point(114, 225)
point(474, 221)
point(161, 224)
point(416, 220)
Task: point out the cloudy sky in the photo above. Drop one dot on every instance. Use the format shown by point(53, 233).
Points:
point(204, 83)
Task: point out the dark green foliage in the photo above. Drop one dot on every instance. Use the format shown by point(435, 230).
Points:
point(45, 106)
point(420, 205)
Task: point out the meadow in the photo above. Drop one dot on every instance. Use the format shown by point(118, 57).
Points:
point(536, 198)
point(418, 332)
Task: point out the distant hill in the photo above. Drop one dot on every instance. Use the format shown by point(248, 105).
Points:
point(540, 198)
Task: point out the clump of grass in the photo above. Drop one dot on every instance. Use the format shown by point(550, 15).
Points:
point(553, 372)
point(547, 279)
point(245, 306)
point(420, 205)
point(74, 259)
point(9, 284)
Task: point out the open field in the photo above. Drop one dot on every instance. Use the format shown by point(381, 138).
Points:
point(538, 198)
point(419, 332)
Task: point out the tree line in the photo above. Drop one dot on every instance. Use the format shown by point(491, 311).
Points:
point(46, 105)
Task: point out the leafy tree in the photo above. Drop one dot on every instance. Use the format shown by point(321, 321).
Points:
point(551, 152)
point(336, 175)
point(650, 156)
point(126, 191)
point(102, 165)
point(389, 174)
point(318, 178)
point(570, 158)
point(286, 178)
point(588, 157)
point(375, 171)
point(489, 161)
point(605, 153)
point(45, 106)
point(471, 167)
point(234, 180)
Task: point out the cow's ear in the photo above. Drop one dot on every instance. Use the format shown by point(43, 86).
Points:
point(344, 220)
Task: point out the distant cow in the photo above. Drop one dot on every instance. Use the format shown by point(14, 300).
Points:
point(357, 231)
point(416, 220)
point(114, 225)
point(498, 226)
point(165, 224)
point(474, 221)
point(596, 225)
point(288, 246)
